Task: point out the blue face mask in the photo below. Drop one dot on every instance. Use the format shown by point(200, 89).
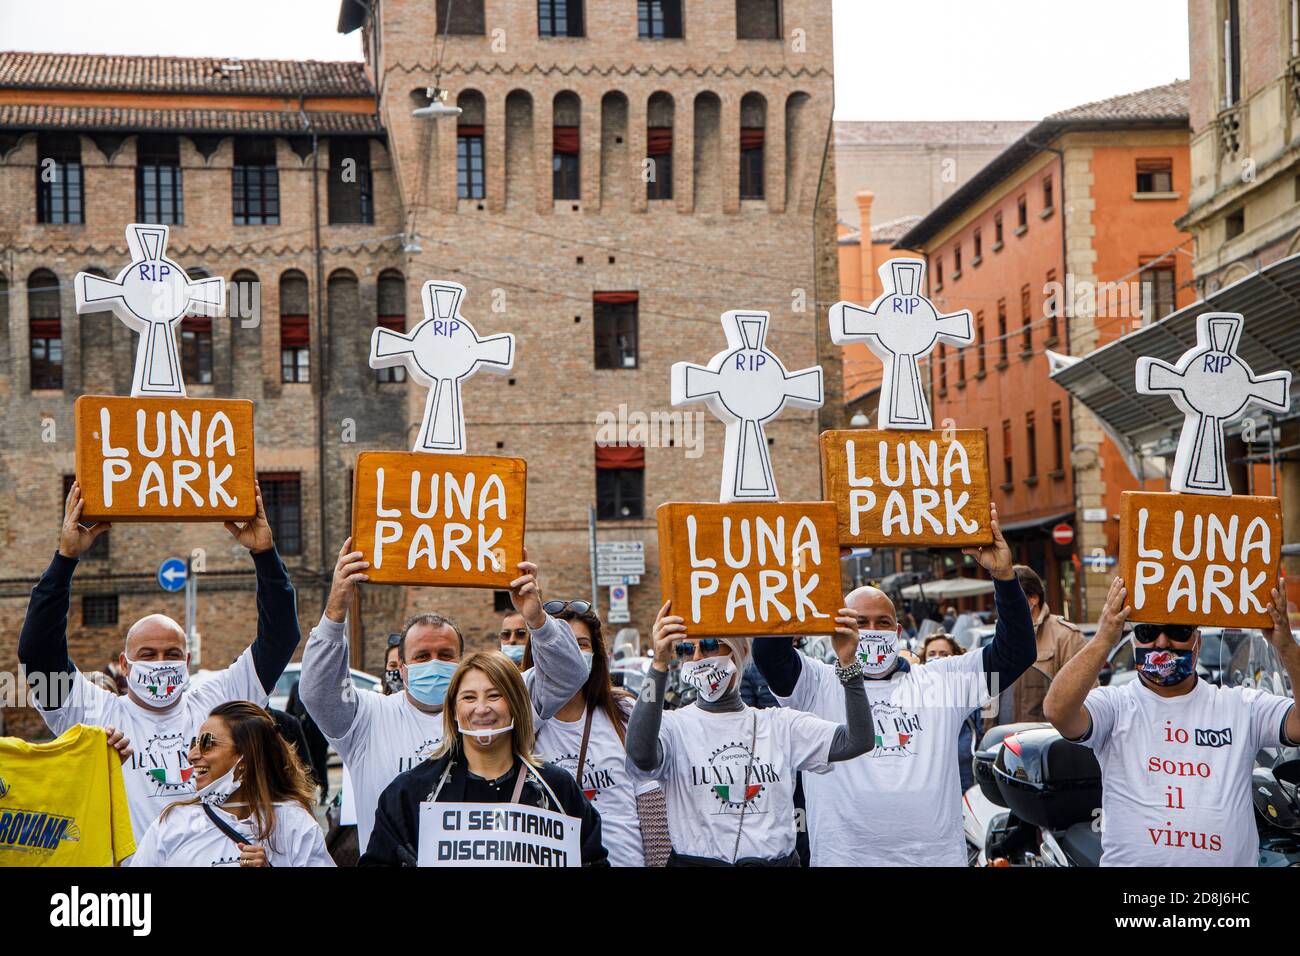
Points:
point(1164, 666)
point(514, 651)
point(586, 659)
point(428, 682)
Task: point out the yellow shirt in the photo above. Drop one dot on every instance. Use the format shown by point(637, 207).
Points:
point(63, 803)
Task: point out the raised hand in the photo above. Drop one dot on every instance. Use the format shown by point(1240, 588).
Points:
point(348, 570)
point(994, 558)
point(668, 630)
point(1114, 614)
point(1280, 635)
point(845, 638)
point(255, 535)
point(526, 594)
point(74, 538)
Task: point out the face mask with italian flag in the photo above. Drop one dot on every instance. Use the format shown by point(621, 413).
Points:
point(877, 651)
point(158, 683)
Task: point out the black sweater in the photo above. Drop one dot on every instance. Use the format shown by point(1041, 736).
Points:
point(395, 839)
point(43, 643)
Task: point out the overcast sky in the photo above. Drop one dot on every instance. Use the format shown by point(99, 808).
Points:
point(895, 59)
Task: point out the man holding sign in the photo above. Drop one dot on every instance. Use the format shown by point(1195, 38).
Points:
point(161, 711)
point(378, 737)
point(1176, 752)
point(900, 803)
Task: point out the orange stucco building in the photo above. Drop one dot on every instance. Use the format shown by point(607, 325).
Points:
point(1062, 243)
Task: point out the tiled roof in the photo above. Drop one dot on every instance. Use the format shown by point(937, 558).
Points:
point(894, 229)
point(101, 118)
point(177, 74)
point(859, 133)
point(1158, 102)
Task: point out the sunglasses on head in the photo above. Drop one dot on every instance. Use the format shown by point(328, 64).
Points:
point(394, 640)
point(1178, 633)
point(708, 645)
point(204, 742)
point(559, 607)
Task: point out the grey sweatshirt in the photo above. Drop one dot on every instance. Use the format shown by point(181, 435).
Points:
point(558, 674)
point(852, 738)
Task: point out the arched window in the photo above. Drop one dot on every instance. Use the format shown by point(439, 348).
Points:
point(469, 146)
point(295, 328)
point(659, 147)
point(753, 129)
point(392, 316)
point(244, 298)
point(566, 133)
point(46, 331)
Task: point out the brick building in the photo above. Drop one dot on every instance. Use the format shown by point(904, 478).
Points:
point(1065, 241)
point(619, 175)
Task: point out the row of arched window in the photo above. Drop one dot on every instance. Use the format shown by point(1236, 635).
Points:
point(704, 113)
point(244, 301)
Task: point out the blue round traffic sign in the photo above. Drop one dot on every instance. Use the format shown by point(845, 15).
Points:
point(172, 574)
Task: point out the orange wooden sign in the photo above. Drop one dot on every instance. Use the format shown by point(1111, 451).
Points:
point(1200, 559)
point(751, 569)
point(441, 520)
point(165, 459)
point(908, 488)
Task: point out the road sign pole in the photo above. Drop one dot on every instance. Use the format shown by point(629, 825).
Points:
point(191, 596)
point(595, 571)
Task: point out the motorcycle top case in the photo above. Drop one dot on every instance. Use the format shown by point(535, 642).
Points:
point(982, 762)
point(1048, 781)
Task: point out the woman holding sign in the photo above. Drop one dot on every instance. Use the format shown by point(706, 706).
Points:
point(728, 770)
point(253, 803)
point(590, 732)
point(485, 759)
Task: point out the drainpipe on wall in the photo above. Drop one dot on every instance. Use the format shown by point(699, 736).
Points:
point(319, 337)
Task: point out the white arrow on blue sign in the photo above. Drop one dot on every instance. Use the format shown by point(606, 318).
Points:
point(172, 574)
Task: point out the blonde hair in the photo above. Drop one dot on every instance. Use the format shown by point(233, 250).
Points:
point(505, 677)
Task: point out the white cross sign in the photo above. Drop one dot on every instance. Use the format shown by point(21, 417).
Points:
point(745, 386)
point(440, 353)
point(900, 327)
point(151, 296)
point(1211, 386)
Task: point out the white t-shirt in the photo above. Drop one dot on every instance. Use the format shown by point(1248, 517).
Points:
point(187, 837)
point(389, 735)
point(899, 804)
point(1175, 772)
point(703, 775)
point(605, 780)
point(158, 773)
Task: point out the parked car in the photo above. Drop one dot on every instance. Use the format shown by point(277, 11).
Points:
point(280, 693)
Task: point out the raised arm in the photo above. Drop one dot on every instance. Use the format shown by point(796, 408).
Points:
point(43, 641)
point(325, 661)
point(1063, 705)
point(1014, 647)
point(558, 670)
point(1281, 638)
point(779, 663)
point(643, 746)
point(857, 734)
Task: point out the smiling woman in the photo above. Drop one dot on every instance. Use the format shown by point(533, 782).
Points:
point(253, 802)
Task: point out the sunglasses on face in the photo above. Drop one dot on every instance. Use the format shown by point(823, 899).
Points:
point(559, 607)
point(204, 742)
point(1178, 633)
point(520, 633)
point(708, 645)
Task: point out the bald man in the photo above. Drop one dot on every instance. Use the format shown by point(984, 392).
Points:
point(161, 710)
point(899, 804)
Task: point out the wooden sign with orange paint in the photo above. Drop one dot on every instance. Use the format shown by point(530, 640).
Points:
point(908, 488)
point(441, 520)
point(749, 570)
point(165, 459)
point(1200, 559)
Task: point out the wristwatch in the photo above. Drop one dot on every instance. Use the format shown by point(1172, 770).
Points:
point(846, 674)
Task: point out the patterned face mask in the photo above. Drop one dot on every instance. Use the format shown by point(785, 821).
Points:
point(877, 652)
point(158, 683)
point(710, 677)
point(1165, 666)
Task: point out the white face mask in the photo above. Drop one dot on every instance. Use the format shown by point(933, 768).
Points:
point(485, 737)
point(877, 651)
point(158, 683)
point(710, 676)
point(217, 792)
